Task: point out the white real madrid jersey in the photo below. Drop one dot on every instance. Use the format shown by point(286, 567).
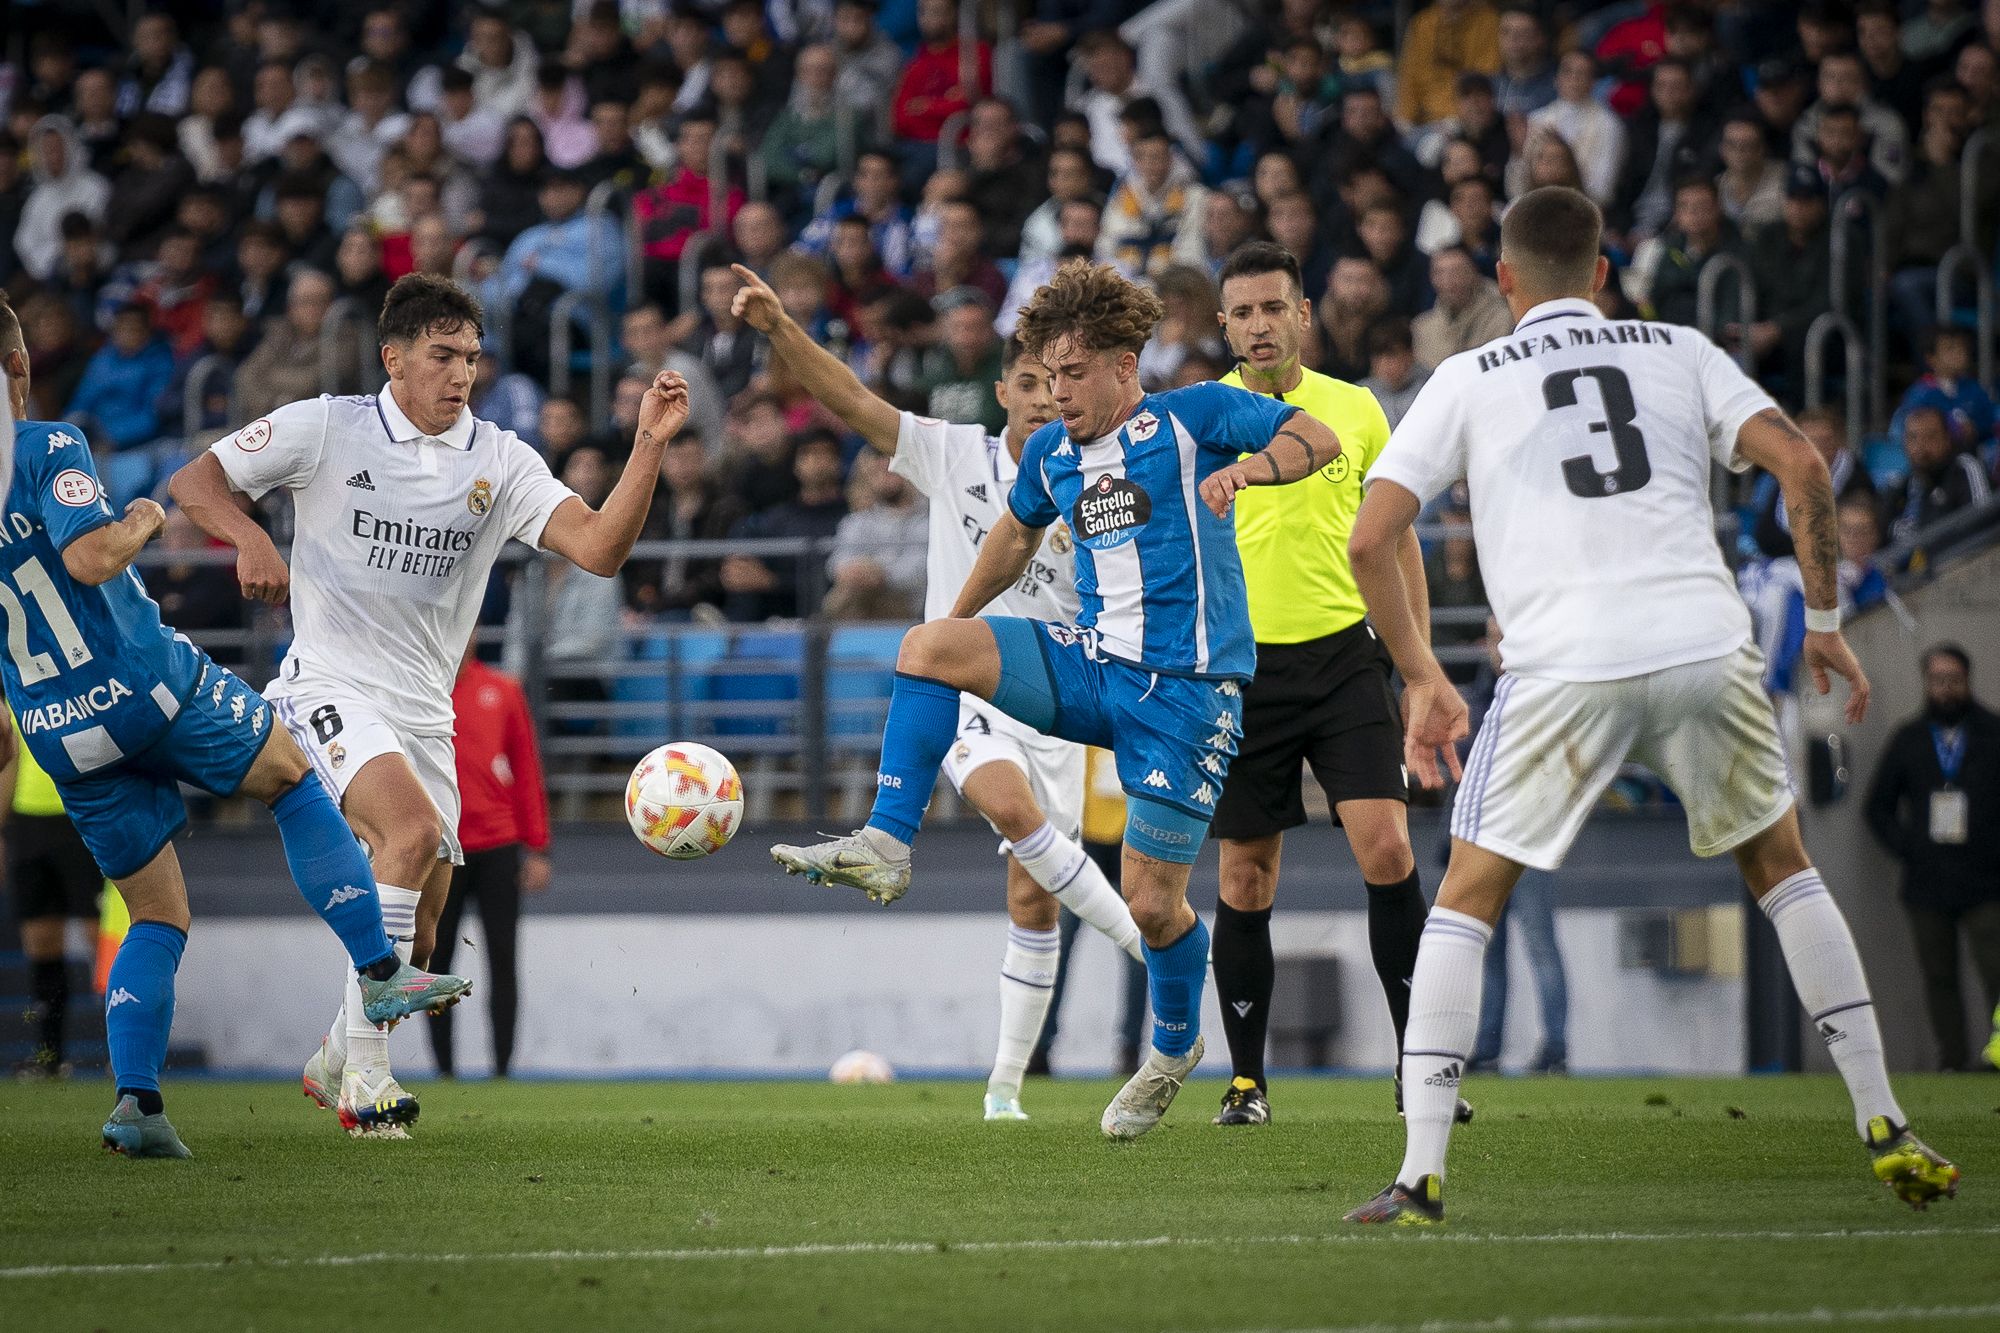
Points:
point(396, 533)
point(966, 474)
point(1586, 445)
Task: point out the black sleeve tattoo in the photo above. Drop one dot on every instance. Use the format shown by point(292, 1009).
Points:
point(1312, 454)
point(1277, 473)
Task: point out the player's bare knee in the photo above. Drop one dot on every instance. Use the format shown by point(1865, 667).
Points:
point(1249, 883)
point(405, 853)
point(1030, 906)
point(925, 651)
point(279, 767)
point(1772, 857)
point(1383, 855)
point(1014, 818)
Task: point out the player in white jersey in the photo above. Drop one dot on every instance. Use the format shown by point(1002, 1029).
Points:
point(404, 500)
point(1028, 786)
point(1587, 446)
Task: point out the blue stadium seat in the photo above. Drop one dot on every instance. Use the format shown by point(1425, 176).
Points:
point(861, 669)
point(762, 668)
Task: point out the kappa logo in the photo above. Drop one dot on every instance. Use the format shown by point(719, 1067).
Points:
point(118, 997)
point(346, 893)
point(1229, 689)
point(1220, 740)
point(61, 439)
point(237, 707)
point(1830, 1034)
point(1445, 1078)
point(1212, 763)
point(361, 481)
point(1204, 795)
point(1143, 427)
point(978, 492)
point(257, 722)
point(1243, 1007)
point(1227, 721)
point(961, 752)
point(1064, 450)
point(1157, 781)
point(215, 695)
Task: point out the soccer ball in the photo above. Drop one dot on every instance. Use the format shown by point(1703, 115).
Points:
point(861, 1067)
point(684, 801)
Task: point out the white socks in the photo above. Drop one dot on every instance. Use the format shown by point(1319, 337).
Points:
point(1061, 866)
point(1444, 1021)
point(352, 1038)
point(1027, 981)
point(1827, 973)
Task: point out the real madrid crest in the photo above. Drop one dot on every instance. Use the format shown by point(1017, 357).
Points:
point(481, 498)
point(336, 754)
point(1059, 541)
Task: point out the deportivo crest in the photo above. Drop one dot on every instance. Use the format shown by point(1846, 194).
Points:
point(1143, 427)
point(1109, 512)
point(481, 499)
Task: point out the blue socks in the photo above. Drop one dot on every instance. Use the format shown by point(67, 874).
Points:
point(139, 1008)
point(1176, 975)
point(331, 870)
point(923, 719)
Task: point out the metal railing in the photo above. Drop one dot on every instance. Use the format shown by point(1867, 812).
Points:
point(1853, 204)
point(1708, 300)
point(950, 144)
point(194, 395)
point(1834, 324)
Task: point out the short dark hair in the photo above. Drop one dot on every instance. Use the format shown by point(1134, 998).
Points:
point(1553, 234)
point(10, 328)
point(1951, 650)
point(1389, 335)
point(423, 303)
point(1011, 351)
point(1253, 259)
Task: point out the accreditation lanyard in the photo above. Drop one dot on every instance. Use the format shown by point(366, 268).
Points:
point(1950, 811)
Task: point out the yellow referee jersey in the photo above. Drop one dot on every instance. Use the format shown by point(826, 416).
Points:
point(34, 790)
point(1293, 539)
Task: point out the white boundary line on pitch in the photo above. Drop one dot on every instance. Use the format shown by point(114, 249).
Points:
point(918, 1247)
point(1583, 1323)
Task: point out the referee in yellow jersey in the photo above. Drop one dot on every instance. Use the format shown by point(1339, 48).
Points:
point(1322, 694)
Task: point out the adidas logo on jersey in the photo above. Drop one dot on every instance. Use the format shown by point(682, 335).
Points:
point(1444, 1078)
point(118, 997)
point(977, 492)
point(346, 893)
point(1830, 1034)
point(360, 481)
point(1157, 781)
point(1204, 794)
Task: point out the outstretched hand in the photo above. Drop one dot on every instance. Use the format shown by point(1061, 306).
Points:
point(1434, 718)
point(755, 303)
point(1826, 653)
point(664, 409)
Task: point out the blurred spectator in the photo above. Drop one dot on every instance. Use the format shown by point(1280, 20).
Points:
point(117, 401)
point(226, 335)
point(729, 348)
point(1385, 244)
point(1443, 40)
point(430, 157)
point(159, 73)
point(1593, 132)
point(1924, 213)
point(64, 184)
point(1069, 178)
point(1114, 83)
point(1363, 139)
point(687, 505)
point(1469, 311)
point(1751, 185)
point(762, 588)
point(649, 344)
point(578, 626)
point(1394, 376)
point(570, 251)
point(690, 43)
point(960, 372)
point(1843, 81)
point(1007, 175)
point(1931, 36)
point(1842, 158)
point(511, 401)
point(1791, 271)
point(1293, 223)
point(1666, 272)
point(869, 63)
point(670, 214)
point(300, 213)
point(1779, 95)
point(930, 90)
point(203, 213)
point(563, 428)
point(558, 109)
point(1359, 58)
point(371, 127)
point(1153, 218)
point(94, 108)
point(757, 464)
point(145, 194)
point(1525, 81)
point(1081, 221)
point(876, 198)
point(1942, 478)
point(198, 595)
point(286, 365)
point(171, 288)
point(501, 61)
point(57, 350)
point(600, 54)
point(1894, 80)
point(880, 549)
point(1475, 123)
point(260, 269)
point(273, 94)
point(1934, 805)
point(303, 158)
point(468, 131)
point(740, 114)
point(1771, 527)
point(1303, 96)
point(1475, 213)
point(1672, 136)
point(1356, 296)
point(768, 60)
point(1951, 387)
point(510, 190)
point(802, 146)
point(358, 270)
point(81, 275)
point(385, 39)
point(1228, 220)
point(759, 237)
point(1188, 329)
point(959, 258)
point(1977, 70)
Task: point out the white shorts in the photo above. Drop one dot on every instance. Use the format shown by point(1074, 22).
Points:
point(340, 731)
point(1549, 748)
point(1054, 767)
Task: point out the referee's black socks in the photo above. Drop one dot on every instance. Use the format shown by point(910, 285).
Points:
point(1396, 914)
point(1244, 969)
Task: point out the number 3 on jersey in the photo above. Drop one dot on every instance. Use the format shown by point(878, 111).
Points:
point(1628, 444)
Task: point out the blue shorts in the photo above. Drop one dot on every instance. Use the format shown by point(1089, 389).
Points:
point(126, 812)
point(1172, 736)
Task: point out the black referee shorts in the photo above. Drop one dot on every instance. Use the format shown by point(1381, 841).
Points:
point(49, 870)
point(1325, 702)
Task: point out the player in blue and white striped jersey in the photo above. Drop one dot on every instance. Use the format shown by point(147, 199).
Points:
point(1153, 668)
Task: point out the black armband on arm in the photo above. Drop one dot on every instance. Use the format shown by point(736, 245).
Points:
point(1312, 454)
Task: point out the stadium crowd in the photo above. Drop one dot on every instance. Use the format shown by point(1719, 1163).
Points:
point(203, 199)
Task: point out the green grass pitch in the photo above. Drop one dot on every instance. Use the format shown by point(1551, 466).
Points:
point(1575, 1205)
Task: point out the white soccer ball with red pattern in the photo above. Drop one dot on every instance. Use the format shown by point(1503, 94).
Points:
point(684, 801)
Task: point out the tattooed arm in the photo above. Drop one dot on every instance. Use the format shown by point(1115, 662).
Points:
point(1772, 442)
point(1302, 446)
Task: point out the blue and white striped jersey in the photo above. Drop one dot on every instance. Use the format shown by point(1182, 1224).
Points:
point(1158, 576)
point(92, 673)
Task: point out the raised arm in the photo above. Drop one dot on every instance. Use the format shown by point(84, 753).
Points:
point(1434, 717)
point(101, 555)
point(821, 373)
point(203, 492)
point(598, 540)
point(1772, 442)
point(1302, 446)
point(1003, 558)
